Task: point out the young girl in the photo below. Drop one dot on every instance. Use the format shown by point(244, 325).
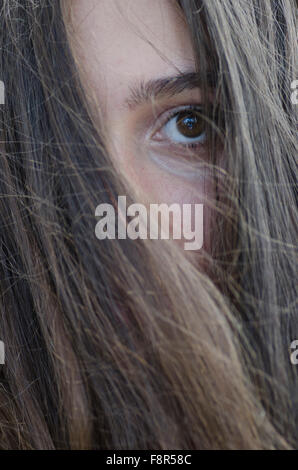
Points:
point(137, 343)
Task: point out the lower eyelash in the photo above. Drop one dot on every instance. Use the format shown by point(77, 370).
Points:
point(192, 145)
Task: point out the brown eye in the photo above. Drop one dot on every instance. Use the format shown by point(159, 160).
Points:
point(186, 126)
point(190, 124)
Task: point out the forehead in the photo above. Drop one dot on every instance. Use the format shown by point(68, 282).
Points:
point(120, 41)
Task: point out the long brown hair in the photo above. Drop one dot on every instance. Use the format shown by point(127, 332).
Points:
point(128, 344)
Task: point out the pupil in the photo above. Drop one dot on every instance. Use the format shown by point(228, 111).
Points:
point(189, 124)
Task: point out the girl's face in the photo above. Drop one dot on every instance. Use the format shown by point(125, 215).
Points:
point(138, 65)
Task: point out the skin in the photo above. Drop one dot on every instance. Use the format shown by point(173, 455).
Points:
point(119, 44)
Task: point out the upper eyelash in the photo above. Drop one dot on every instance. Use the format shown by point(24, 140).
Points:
point(177, 111)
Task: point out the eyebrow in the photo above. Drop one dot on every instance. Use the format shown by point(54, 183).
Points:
point(145, 91)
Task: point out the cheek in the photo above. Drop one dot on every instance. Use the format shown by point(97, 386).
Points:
point(155, 186)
